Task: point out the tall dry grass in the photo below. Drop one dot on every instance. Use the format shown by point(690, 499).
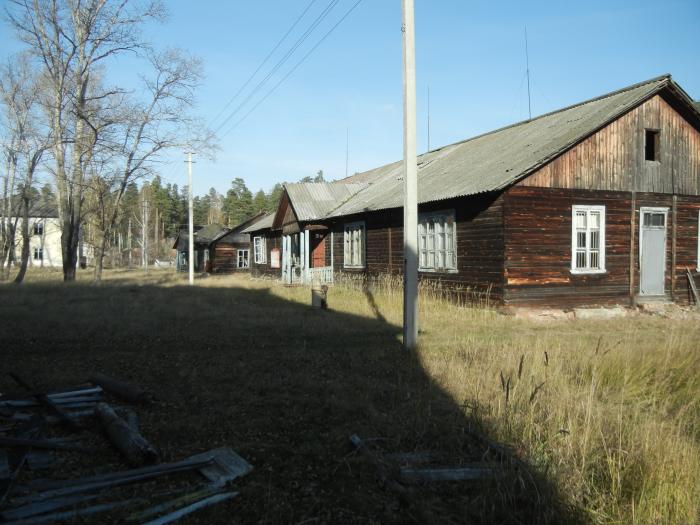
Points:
point(607, 410)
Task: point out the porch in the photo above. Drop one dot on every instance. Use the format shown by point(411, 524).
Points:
point(307, 256)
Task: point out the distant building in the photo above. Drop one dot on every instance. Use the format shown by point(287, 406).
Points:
point(45, 239)
point(218, 249)
point(594, 204)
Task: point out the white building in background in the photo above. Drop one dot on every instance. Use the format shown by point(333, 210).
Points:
point(45, 240)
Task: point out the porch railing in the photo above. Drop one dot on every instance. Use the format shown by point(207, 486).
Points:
point(322, 275)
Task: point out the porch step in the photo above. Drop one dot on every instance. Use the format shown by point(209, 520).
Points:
point(654, 299)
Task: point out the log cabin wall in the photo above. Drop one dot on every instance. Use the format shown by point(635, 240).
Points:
point(538, 231)
point(273, 240)
point(224, 257)
point(480, 247)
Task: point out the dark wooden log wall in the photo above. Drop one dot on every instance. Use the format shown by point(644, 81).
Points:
point(224, 257)
point(538, 247)
point(479, 245)
point(272, 240)
point(687, 240)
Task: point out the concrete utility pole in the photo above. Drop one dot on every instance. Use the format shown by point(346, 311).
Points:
point(410, 177)
point(144, 238)
point(128, 242)
point(190, 220)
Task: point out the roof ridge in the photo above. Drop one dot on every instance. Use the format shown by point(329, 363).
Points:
point(560, 110)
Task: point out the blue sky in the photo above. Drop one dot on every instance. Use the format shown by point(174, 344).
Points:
point(471, 54)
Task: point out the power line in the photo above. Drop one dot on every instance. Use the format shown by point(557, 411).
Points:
point(275, 48)
point(280, 62)
point(296, 66)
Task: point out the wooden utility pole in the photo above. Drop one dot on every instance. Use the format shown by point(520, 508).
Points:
point(410, 204)
point(190, 220)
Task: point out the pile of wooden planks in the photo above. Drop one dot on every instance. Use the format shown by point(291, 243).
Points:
point(42, 430)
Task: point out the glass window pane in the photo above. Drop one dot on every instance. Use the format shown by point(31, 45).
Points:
point(581, 240)
point(594, 220)
point(595, 240)
point(581, 219)
point(580, 259)
point(595, 260)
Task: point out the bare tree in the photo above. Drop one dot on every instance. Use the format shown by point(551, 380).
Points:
point(20, 96)
point(147, 127)
point(71, 38)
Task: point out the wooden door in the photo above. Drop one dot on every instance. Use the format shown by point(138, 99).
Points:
point(652, 248)
point(318, 250)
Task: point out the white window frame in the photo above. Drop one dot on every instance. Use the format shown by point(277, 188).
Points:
point(574, 246)
point(38, 254)
point(354, 233)
point(238, 258)
point(449, 257)
point(38, 228)
point(259, 250)
point(697, 264)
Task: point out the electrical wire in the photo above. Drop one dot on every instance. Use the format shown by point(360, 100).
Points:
point(280, 63)
point(289, 73)
point(251, 77)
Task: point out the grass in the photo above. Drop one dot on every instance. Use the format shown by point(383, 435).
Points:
point(606, 413)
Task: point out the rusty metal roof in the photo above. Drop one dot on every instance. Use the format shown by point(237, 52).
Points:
point(488, 162)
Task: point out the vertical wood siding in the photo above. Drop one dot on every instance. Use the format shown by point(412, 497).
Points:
point(613, 158)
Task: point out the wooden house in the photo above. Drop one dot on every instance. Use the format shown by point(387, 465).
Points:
point(230, 251)
point(594, 204)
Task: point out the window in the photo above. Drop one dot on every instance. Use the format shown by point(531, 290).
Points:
point(38, 254)
point(588, 239)
point(243, 259)
point(259, 251)
point(437, 241)
point(698, 262)
point(651, 144)
point(354, 245)
point(38, 228)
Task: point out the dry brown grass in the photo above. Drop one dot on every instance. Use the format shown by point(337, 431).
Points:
point(607, 411)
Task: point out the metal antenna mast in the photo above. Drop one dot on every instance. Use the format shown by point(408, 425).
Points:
point(428, 117)
point(527, 70)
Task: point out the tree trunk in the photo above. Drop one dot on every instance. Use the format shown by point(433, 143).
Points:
point(99, 258)
point(24, 262)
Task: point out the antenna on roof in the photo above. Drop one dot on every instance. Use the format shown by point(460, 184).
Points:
point(428, 117)
point(527, 71)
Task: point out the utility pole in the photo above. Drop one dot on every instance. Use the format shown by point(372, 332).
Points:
point(129, 242)
point(410, 177)
point(144, 238)
point(190, 220)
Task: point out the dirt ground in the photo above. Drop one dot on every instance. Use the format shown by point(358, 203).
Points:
point(233, 364)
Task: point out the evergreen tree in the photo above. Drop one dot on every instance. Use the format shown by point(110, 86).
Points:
point(273, 198)
point(259, 202)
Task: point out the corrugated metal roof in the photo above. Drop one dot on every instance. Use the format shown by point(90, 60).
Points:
point(263, 223)
point(488, 162)
point(315, 200)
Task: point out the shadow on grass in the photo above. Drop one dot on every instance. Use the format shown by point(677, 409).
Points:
point(283, 384)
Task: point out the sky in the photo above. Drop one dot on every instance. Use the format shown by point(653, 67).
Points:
point(470, 57)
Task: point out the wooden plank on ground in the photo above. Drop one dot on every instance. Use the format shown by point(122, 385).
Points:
point(47, 402)
point(189, 509)
point(126, 391)
point(130, 443)
point(480, 473)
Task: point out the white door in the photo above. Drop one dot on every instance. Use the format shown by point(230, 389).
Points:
point(652, 251)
